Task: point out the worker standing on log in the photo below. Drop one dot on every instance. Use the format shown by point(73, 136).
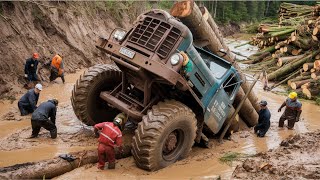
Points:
point(28, 102)
point(110, 135)
point(57, 68)
point(264, 120)
point(40, 118)
point(292, 112)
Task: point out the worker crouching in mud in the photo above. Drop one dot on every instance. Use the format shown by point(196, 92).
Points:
point(110, 136)
point(40, 118)
point(292, 112)
point(28, 102)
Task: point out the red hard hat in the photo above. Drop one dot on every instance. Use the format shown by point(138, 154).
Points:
point(35, 55)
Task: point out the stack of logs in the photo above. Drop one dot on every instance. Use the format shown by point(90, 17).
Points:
point(291, 52)
point(205, 30)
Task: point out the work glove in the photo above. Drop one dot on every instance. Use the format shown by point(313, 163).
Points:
point(25, 75)
point(279, 110)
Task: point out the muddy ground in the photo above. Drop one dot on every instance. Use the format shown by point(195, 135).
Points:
point(296, 158)
point(74, 136)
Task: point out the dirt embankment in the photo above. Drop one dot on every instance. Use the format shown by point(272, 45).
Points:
point(296, 158)
point(69, 28)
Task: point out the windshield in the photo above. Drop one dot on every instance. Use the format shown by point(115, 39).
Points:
point(217, 66)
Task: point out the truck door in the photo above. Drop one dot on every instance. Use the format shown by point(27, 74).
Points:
point(220, 104)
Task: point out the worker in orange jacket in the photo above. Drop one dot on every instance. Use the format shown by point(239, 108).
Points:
point(57, 69)
point(110, 136)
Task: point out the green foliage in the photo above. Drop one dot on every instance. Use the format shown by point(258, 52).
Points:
point(229, 157)
point(165, 5)
point(245, 11)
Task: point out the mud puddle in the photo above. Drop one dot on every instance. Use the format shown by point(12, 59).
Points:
point(15, 147)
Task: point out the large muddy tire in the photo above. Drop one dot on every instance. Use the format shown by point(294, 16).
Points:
point(86, 101)
point(166, 134)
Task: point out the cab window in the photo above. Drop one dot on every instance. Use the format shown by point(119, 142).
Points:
point(230, 85)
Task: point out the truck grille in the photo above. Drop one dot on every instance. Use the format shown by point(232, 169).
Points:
point(150, 34)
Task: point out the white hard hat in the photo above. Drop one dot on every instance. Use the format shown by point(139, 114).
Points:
point(39, 86)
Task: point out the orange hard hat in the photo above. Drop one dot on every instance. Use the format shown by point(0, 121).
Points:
point(35, 55)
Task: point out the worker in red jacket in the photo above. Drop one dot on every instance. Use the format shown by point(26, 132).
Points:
point(110, 136)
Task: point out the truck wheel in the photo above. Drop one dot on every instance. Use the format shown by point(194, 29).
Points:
point(86, 103)
point(165, 135)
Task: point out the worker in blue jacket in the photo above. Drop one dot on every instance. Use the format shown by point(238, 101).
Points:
point(264, 120)
point(30, 68)
point(28, 102)
point(45, 116)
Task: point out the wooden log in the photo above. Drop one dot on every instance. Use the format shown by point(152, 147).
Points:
point(284, 80)
point(287, 59)
point(299, 78)
point(313, 70)
point(296, 52)
point(249, 115)
point(307, 66)
point(302, 74)
point(190, 15)
point(298, 84)
point(314, 75)
point(261, 57)
point(311, 92)
point(51, 168)
point(292, 66)
point(316, 65)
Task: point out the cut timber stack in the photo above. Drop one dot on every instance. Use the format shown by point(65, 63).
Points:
point(204, 29)
point(294, 46)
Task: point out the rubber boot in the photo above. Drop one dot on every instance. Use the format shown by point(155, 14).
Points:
point(53, 133)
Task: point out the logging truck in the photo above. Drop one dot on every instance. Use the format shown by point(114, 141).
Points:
point(147, 83)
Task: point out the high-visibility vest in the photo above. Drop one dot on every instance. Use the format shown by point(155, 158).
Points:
point(56, 62)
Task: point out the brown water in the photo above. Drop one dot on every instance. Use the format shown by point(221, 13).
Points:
point(41, 148)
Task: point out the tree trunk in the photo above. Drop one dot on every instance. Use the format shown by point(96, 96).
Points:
point(316, 65)
point(307, 66)
point(189, 13)
point(249, 115)
point(291, 66)
point(298, 84)
point(314, 75)
point(284, 60)
point(311, 92)
point(51, 168)
point(299, 78)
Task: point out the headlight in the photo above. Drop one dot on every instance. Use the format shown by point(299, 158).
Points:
point(119, 34)
point(175, 59)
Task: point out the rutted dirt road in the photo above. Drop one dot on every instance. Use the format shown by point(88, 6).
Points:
point(74, 136)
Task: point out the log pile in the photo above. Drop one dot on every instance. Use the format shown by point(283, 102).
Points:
point(203, 28)
point(293, 47)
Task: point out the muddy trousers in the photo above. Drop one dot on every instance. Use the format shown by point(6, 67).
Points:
point(291, 121)
point(106, 153)
point(25, 109)
point(54, 75)
point(261, 129)
point(47, 124)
